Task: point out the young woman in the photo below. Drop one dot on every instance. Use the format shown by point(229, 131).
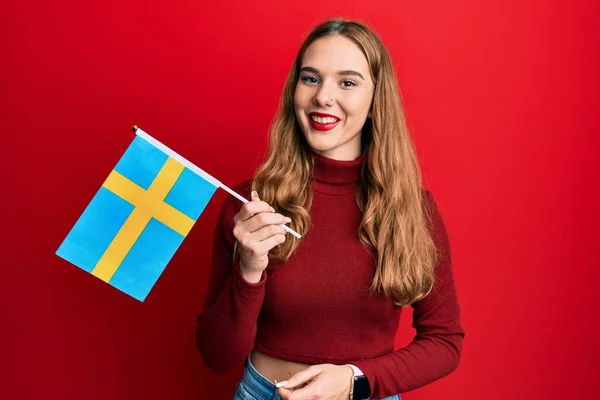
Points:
point(319, 314)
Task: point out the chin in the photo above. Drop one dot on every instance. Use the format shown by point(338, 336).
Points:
point(321, 145)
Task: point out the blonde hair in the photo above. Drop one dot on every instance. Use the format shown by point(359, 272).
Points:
point(389, 195)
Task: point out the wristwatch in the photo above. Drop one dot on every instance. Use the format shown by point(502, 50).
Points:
point(360, 388)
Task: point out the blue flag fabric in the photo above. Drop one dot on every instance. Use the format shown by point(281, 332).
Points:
point(138, 218)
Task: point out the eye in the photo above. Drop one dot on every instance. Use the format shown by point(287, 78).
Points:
point(309, 79)
point(348, 83)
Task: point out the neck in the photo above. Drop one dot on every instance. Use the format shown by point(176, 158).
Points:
point(336, 176)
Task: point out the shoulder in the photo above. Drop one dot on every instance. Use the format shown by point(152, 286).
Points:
point(229, 208)
point(435, 220)
point(231, 204)
point(242, 188)
point(428, 202)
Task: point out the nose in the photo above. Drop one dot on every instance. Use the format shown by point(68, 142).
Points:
point(324, 96)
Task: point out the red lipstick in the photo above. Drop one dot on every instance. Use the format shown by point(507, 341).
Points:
point(322, 127)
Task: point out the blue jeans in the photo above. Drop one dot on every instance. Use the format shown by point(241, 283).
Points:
point(254, 386)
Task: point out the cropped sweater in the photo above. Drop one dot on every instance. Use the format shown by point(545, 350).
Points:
point(315, 308)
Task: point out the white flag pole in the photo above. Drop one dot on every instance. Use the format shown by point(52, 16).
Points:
point(196, 169)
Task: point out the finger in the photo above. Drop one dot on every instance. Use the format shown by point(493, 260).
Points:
point(301, 377)
point(264, 219)
point(284, 393)
point(267, 244)
point(307, 392)
point(253, 207)
point(266, 232)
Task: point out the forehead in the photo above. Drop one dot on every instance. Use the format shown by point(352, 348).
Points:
point(335, 53)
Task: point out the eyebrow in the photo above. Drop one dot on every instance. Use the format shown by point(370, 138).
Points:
point(344, 72)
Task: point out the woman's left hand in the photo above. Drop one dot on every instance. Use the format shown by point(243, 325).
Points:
point(322, 382)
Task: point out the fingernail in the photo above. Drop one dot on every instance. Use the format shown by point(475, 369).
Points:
point(280, 384)
point(253, 194)
point(272, 209)
point(287, 219)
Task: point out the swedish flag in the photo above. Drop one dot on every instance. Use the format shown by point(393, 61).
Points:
point(138, 218)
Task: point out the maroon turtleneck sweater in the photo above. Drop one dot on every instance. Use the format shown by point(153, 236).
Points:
point(315, 308)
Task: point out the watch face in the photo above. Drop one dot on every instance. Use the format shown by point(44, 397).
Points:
point(361, 388)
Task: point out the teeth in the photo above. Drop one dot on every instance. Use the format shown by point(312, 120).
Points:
point(327, 120)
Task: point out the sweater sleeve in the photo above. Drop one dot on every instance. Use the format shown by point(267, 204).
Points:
point(436, 348)
point(227, 325)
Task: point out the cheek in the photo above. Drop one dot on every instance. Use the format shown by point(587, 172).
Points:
point(301, 97)
point(358, 106)
point(297, 103)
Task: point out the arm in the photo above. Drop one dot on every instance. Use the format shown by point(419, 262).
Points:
point(227, 327)
point(436, 349)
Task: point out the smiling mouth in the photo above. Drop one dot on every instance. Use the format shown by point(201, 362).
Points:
point(321, 122)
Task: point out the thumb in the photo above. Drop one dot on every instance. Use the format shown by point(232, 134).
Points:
point(300, 378)
point(284, 393)
point(254, 195)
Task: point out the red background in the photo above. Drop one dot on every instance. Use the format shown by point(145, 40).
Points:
point(500, 98)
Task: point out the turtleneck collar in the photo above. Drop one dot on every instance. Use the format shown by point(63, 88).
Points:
point(334, 176)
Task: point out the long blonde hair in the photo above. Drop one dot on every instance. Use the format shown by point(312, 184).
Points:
point(389, 195)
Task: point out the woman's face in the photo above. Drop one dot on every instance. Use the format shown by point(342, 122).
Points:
point(333, 97)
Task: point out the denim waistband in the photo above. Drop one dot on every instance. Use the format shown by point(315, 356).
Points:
point(254, 385)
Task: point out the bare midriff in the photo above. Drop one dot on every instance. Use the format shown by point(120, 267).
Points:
point(275, 369)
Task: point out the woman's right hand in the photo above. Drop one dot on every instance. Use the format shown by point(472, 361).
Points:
point(257, 230)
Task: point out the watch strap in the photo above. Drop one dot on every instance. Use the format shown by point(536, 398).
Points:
point(356, 370)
